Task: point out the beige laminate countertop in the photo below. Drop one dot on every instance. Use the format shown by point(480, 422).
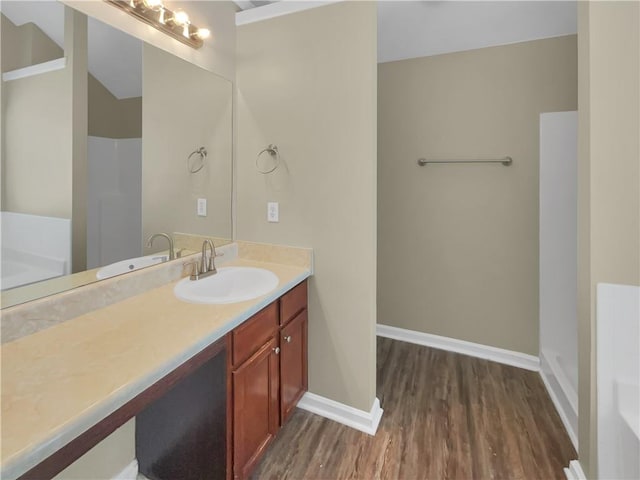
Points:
point(61, 381)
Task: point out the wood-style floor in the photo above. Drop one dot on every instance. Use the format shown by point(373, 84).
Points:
point(446, 416)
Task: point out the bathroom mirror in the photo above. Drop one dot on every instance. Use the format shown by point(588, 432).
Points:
point(158, 140)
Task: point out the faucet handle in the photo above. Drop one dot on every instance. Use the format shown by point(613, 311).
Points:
point(195, 270)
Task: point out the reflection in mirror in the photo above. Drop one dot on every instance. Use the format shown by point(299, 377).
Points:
point(185, 109)
point(138, 177)
point(114, 146)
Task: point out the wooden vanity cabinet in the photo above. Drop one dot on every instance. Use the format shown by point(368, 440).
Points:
point(255, 377)
point(268, 368)
point(213, 416)
point(293, 350)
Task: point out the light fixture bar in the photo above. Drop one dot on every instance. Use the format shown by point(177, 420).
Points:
point(162, 19)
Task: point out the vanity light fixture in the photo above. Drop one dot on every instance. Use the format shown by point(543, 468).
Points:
point(180, 17)
point(175, 24)
point(204, 33)
point(152, 4)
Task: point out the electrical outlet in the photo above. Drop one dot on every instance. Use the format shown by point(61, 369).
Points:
point(272, 212)
point(201, 209)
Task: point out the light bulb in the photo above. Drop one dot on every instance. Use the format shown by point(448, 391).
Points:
point(203, 33)
point(153, 4)
point(180, 17)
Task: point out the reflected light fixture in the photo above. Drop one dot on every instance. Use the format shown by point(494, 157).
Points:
point(153, 4)
point(175, 24)
point(204, 33)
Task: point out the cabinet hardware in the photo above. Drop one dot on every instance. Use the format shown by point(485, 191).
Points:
point(276, 350)
point(287, 339)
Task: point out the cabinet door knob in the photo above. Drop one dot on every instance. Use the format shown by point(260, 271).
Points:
point(287, 339)
point(276, 350)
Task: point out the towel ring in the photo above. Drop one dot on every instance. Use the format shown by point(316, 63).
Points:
point(202, 153)
point(275, 155)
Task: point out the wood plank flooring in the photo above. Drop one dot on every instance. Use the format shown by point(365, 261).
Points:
point(446, 416)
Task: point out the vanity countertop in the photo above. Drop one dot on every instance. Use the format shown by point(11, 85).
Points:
point(61, 381)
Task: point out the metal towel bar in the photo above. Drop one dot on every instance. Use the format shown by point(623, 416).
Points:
point(506, 161)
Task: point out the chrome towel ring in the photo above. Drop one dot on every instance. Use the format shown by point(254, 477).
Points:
point(272, 150)
point(198, 162)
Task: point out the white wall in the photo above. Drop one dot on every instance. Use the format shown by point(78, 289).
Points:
point(558, 262)
point(114, 201)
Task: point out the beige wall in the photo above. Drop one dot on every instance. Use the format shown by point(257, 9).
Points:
point(307, 83)
point(608, 181)
point(75, 46)
point(25, 45)
point(458, 244)
point(34, 106)
point(183, 108)
point(107, 459)
point(111, 117)
point(45, 140)
point(37, 147)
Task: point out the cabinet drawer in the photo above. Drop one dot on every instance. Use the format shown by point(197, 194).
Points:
point(254, 333)
point(293, 302)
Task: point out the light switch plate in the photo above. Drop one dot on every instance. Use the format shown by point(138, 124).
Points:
point(202, 207)
point(272, 212)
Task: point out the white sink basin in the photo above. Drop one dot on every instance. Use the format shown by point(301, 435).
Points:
point(129, 265)
point(229, 285)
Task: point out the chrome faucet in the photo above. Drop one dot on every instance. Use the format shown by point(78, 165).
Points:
point(205, 268)
point(210, 266)
point(172, 253)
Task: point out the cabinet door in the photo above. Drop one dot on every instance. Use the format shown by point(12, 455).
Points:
point(255, 407)
point(293, 364)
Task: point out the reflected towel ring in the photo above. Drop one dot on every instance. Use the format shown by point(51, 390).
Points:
point(194, 168)
point(275, 155)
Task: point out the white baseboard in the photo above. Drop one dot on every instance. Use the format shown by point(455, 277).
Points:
point(130, 472)
point(564, 406)
point(366, 422)
point(507, 357)
point(574, 471)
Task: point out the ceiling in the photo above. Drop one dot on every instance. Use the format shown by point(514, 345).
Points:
point(247, 4)
point(410, 29)
point(419, 29)
point(406, 29)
